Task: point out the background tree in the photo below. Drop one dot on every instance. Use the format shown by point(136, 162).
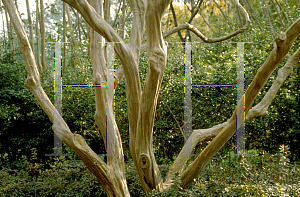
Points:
point(42, 30)
point(30, 24)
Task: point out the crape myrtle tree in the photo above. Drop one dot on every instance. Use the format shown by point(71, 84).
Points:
point(147, 15)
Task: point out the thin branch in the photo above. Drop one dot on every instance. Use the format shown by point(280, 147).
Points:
point(117, 16)
point(278, 13)
point(253, 14)
point(175, 21)
point(269, 20)
point(182, 132)
point(283, 10)
point(207, 23)
point(198, 5)
point(201, 36)
point(223, 14)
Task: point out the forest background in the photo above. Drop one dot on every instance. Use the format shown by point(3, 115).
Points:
point(212, 64)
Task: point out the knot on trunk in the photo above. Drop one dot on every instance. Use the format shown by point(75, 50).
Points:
point(144, 161)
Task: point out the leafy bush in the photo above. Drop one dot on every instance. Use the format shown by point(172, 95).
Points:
point(257, 175)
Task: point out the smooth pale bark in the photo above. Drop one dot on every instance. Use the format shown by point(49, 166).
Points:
point(30, 25)
point(43, 39)
point(106, 10)
point(157, 52)
point(133, 88)
point(260, 109)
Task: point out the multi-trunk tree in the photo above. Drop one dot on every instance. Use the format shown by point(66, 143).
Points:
point(147, 16)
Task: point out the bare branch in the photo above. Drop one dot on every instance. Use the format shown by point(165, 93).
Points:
point(200, 35)
point(195, 12)
point(204, 38)
point(261, 108)
point(196, 137)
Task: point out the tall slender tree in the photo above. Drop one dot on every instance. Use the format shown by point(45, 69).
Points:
point(43, 40)
point(64, 38)
point(37, 36)
point(30, 25)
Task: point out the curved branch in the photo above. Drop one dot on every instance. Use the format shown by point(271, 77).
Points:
point(196, 137)
point(212, 40)
point(203, 37)
point(260, 109)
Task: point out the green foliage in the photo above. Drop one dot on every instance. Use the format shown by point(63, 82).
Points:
point(24, 125)
point(257, 174)
point(64, 178)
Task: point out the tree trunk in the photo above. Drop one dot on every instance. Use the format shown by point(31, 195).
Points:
point(4, 34)
point(123, 17)
point(9, 32)
point(64, 38)
point(72, 39)
point(37, 36)
point(30, 25)
point(43, 40)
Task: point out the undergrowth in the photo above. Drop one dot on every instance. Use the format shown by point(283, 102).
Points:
point(253, 175)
